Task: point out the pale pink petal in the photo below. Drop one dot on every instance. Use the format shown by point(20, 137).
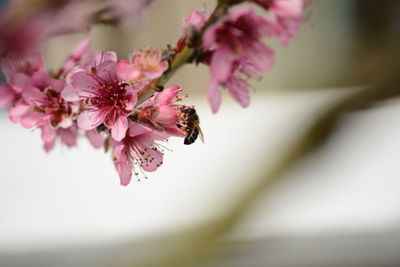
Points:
point(70, 94)
point(84, 81)
point(88, 120)
point(166, 116)
point(127, 71)
point(154, 157)
point(288, 8)
point(118, 130)
point(124, 169)
point(214, 95)
point(136, 129)
point(95, 138)
point(7, 96)
point(108, 56)
point(107, 71)
point(154, 74)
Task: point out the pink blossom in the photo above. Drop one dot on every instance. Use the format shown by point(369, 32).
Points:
point(161, 111)
point(138, 151)
point(41, 103)
point(144, 65)
point(106, 98)
point(237, 49)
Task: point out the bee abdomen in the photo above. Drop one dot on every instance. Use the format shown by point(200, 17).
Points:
point(192, 136)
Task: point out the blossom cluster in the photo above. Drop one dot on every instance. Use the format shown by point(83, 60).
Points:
point(122, 105)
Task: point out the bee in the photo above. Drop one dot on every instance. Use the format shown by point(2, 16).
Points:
point(191, 125)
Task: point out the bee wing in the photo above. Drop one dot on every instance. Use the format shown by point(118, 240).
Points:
point(201, 135)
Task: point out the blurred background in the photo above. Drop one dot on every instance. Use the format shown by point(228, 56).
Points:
point(247, 196)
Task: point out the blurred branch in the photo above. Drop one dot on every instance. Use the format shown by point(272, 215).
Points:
point(201, 240)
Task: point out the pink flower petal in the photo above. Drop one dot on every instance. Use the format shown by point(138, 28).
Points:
point(261, 56)
point(49, 146)
point(48, 134)
point(95, 138)
point(33, 119)
point(19, 110)
point(107, 71)
point(19, 81)
point(118, 130)
point(7, 96)
point(68, 136)
point(85, 82)
point(154, 157)
point(221, 63)
point(136, 129)
point(124, 170)
point(32, 95)
point(166, 115)
point(88, 120)
point(167, 95)
point(127, 71)
point(70, 94)
point(238, 88)
point(214, 95)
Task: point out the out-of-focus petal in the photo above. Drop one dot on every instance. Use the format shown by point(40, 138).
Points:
point(214, 96)
point(221, 64)
point(96, 139)
point(7, 96)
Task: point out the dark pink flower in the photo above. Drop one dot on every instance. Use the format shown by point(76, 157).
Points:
point(106, 98)
point(161, 111)
point(237, 49)
point(147, 64)
point(138, 151)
